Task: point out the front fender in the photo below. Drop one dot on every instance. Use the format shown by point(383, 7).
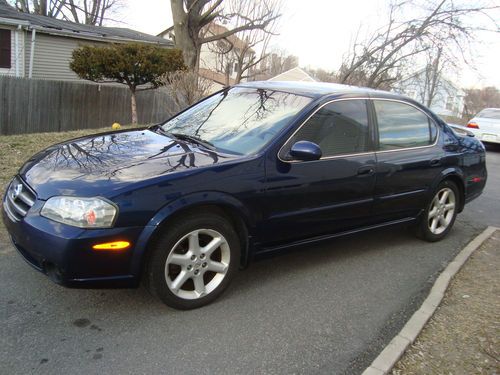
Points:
point(191, 200)
point(202, 198)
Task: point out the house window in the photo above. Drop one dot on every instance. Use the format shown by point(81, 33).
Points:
point(5, 48)
point(236, 67)
point(449, 103)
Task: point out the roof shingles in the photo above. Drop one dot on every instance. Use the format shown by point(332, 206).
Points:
point(76, 30)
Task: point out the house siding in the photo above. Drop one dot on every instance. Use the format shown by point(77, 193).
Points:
point(448, 99)
point(13, 57)
point(53, 55)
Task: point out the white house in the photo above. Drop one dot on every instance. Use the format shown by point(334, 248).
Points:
point(35, 46)
point(294, 74)
point(448, 99)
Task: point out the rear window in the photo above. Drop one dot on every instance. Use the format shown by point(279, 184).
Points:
point(490, 113)
point(402, 126)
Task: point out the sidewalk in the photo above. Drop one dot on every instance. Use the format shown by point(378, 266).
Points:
point(463, 336)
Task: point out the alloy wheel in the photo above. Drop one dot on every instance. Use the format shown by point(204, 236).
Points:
point(197, 264)
point(441, 211)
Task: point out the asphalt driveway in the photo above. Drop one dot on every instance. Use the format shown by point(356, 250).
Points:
point(328, 308)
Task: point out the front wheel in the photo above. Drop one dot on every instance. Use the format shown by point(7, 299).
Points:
point(194, 261)
point(439, 217)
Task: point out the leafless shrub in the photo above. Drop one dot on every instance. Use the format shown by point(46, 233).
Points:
point(186, 87)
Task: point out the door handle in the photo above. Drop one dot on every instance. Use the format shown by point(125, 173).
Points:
point(435, 162)
point(366, 170)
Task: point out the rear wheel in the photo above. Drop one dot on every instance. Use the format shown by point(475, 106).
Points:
point(194, 261)
point(440, 215)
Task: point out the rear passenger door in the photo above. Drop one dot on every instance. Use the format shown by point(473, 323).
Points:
point(408, 159)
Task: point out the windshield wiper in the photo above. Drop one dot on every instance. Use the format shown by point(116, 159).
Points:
point(192, 138)
point(158, 129)
point(195, 139)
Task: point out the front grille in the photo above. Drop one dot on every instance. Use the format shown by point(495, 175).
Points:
point(18, 199)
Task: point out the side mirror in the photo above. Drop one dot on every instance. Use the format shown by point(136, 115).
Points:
point(305, 151)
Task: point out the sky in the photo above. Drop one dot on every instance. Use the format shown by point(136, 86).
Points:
point(319, 32)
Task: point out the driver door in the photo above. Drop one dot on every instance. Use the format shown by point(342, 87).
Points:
point(326, 196)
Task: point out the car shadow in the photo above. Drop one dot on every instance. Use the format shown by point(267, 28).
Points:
point(306, 258)
point(280, 271)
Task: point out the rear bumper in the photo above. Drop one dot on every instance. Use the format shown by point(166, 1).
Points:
point(485, 137)
point(473, 196)
point(475, 185)
point(65, 253)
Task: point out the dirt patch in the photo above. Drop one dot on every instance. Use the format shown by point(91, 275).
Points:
point(463, 335)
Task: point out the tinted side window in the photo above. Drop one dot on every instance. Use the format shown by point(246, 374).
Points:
point(401, 126)
point(338, 128)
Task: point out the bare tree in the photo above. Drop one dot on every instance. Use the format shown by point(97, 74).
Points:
point(428, 85)
point(432, 77)
point(242, 53)
point(50, 8)
point(322, 75)
point(380, 60)
point(478, 99)
point(276, 62)
point(88, 12)
point(192, 16)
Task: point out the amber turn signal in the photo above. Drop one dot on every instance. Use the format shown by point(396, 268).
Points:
point(117, 245)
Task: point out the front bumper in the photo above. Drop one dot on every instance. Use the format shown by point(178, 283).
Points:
point(65, 253)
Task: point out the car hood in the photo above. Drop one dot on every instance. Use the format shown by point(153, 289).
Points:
point(105, 163)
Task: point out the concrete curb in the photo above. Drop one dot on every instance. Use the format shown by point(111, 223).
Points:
point(386, 360)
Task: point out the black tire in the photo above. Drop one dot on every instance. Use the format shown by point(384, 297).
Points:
point(163, 246)
point(423, 228)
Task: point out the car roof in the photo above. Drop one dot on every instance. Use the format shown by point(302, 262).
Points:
point(318, 89)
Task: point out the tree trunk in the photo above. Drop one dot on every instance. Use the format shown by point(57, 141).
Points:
point(226, 75)
point(434, 77)
point(185, 38)
point(133, 106)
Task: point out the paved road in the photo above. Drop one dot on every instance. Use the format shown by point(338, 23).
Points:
point(325, 309)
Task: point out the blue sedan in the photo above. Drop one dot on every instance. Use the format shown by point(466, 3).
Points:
point(251, 169)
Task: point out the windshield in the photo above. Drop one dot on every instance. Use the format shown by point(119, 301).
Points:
point(238, 120)
point(490, 113)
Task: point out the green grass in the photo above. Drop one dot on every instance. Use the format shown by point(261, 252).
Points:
point(16, 149)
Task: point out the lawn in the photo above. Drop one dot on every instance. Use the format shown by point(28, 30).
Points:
point(16, 149)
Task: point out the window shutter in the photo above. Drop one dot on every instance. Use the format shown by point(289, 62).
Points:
point(5, 48)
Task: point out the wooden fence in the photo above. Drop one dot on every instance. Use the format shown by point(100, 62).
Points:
point(30, 106)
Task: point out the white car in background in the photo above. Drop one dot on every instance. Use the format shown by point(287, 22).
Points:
point(486, 125)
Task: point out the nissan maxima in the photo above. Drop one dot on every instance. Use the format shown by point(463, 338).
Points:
point(256, 167)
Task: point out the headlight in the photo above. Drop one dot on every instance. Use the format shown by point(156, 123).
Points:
point(80, 212)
